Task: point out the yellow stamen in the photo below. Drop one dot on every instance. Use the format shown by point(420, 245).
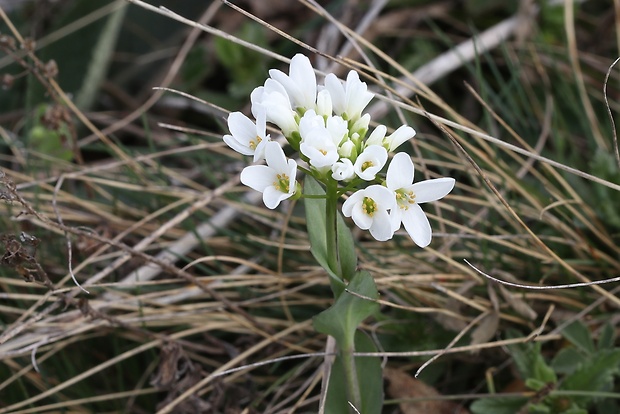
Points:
point(369, 206)
point(282, 183)
point(405, 198)
point(254, 143)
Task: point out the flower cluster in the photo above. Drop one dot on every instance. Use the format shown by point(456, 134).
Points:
point(326, 125)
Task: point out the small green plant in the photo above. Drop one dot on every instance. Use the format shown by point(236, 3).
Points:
point(574, 381)
point(329, 130)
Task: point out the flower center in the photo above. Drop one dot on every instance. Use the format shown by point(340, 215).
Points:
point(322, 151)
point(254, 143)
point(369, 206)
point(367, 164)
point(405, 198)
point(282, 183)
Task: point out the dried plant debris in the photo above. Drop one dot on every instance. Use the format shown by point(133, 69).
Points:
point(176, 373)
point(19, 254)
point(7, 188)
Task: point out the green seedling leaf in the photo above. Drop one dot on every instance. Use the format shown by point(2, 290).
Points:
point(370, 378)
point(502, 405)
point(567, 360)
point(594, 375)
point(535, 384)
point(525, 357)
point(538, 408)
point(544, 372)
point(607, 338)
point(579, 335)
point(345, 315)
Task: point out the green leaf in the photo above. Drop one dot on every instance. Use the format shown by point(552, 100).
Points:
point(101, 54)
point(501, 405)
point(544, 372)
point(370, 379)
point(607, 338)
point(525, 356)
point(535, 384)
point(345, 315)
point(594, 375)
point(579, 335)
point(567, 360)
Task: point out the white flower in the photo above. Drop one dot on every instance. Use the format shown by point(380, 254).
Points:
point(337, 128)
point(392, 141)
point(324, 103)
point(377, 135)
point(370, 162)
point(346, 148)
point(247, 138)
point(319, 142)
point(309, 122)
point(300, 83)
point(369, 210)
point(276, 180)
point(273, 99)
point(343, 170)
point(350, 99)
point(408, 197)
point(402, 134)
point(321, 151)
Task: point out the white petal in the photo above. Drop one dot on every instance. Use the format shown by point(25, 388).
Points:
point(349, 203)
point(275, 157)
point(234, 144)
point(241, 127)
point(258, 177)
point(272, 197)
point(396, 218)
point(357, 95)
point(256, 98)
point(261, 121)
point(377, 135)
point(398, 137)
point(431, 190)
point(381, 228)
point(417, 225)
point(384, 197)
point(337, 128)
point(302, 73)
point(400, 172)
point(273, 86)
point(360, 218)
point(324, 103)
point(259, 151)
point(291, 171)
point(336, 91)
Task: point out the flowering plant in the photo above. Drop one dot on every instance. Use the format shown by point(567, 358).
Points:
point(326, 125)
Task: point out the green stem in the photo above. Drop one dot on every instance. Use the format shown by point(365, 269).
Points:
point(331, 206)
point(333, 259)
point(350, 371)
